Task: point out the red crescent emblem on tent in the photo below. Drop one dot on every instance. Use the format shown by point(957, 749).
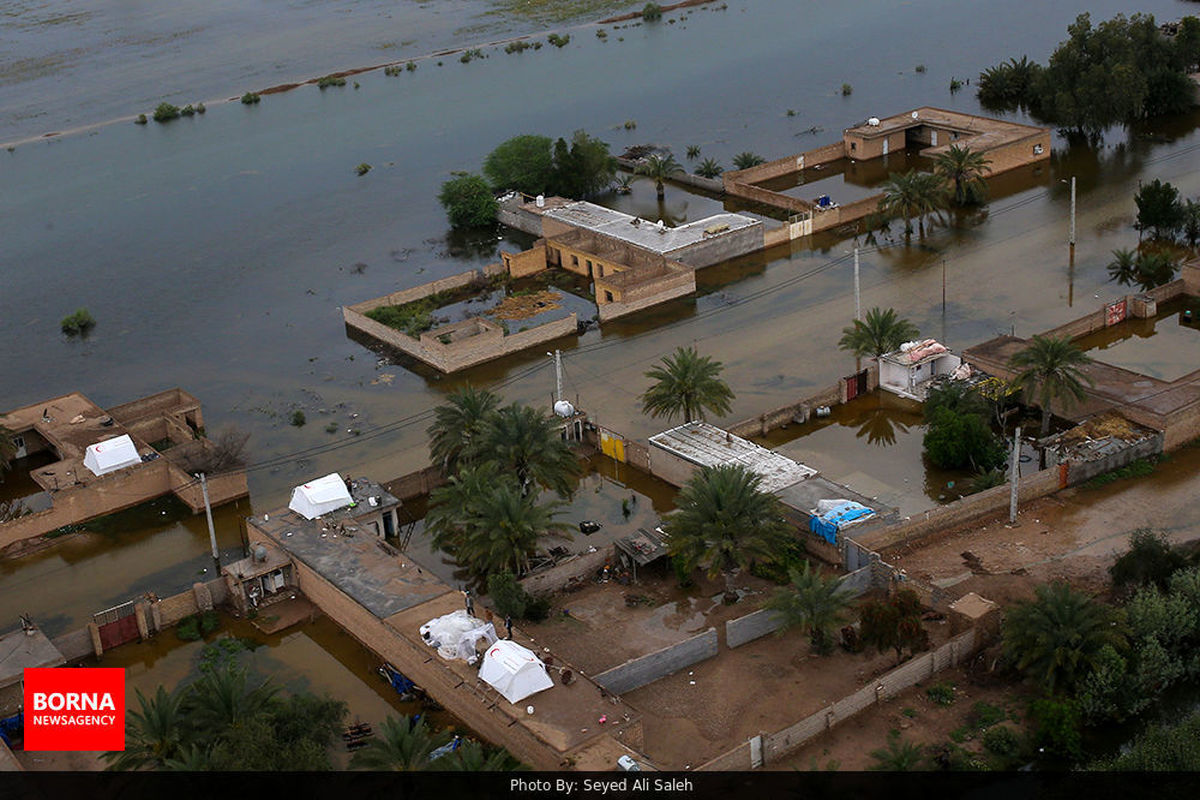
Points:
point(493, 651)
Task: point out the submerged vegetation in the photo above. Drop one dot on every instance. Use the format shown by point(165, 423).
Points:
point(79, 323)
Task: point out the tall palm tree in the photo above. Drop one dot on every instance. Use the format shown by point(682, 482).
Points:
point(709, 168)
point(1123, 267)
point(659, 168)
point(1051, 369)
point(528, 444)
point(505, 530)
point(1146, 270)
point(686, 383)
point(455, 428)
point(900, 755)
point(402, 744)
point(155, 734)
point(913, 194)
point(726, 523)
point(965, 168)
point(878, 333)
point(223, 697)
point(747, 159)
point(814, 604)
point(474, 757)
point(191, 758)
point(455, 506)
point(1055, 638)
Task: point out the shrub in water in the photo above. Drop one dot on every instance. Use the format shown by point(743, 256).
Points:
point(250, 98)
point(165, 112)
point(78, 323)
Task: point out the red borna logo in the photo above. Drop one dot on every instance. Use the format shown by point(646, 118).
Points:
point(74, 709)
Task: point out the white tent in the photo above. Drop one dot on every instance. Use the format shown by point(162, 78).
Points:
point(514, 671)
point(320, 496)
point(111, 455)
point(455, 634)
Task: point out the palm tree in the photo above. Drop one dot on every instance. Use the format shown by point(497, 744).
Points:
point(222, 697)
point(658, 169)
point(456, 504)
point(1123, 267)
point(1055, 638)
point(8, 449)
point(709, 168)
point(528, 444)
point(505, 530)
point(693, 152)
point(1050, 368)
point(192, 758)
point(686, 383)
point(880, 332)
point(913, 194)
point(155, 734)
point(965, 168)
point(1191, 222)
point(812, 603)
point(474, 757)
point(402, 745)
point(726, 523)
point(456, 425)
point(1146, 270)
point(747, 160)
point(900, 755)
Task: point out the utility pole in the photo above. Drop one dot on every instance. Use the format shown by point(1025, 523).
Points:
point(1072, 240)
point(558, 395)
point(857, 300)
point(212, 534)
point(943, 286)
point(1014, 477)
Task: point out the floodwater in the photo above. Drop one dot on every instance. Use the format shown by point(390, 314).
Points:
point(216, 251)
point(1164, 346)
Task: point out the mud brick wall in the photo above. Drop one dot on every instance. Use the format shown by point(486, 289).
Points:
point(736, 760)
point(650, 294)
point(721, 247)
point(416, 484)
point(638, 672)
point(1081, 471)
point(75, 645)
point(759, 623)
point(843, 215)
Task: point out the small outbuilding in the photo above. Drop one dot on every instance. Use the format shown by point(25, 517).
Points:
point(111, 455)
point(319, 497)
point(909, 370)
point(514, 671)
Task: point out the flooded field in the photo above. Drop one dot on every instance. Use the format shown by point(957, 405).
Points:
point(1165, 347)
point(216, 251)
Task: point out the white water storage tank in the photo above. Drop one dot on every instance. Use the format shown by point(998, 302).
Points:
point(564, 409)
point(541, 201)
point(873, 122)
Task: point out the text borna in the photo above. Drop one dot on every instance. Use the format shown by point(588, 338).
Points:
point(73, 701)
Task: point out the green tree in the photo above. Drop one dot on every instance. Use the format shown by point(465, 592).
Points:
point(900, 755)
point(893, 624)
point(1159, 209)
point(709, 168)
point(523, 163)
point(659, 168)
point(1008, 86)
point(913, 194)
point(474, 757)
point(878, 333)
point(957, 440)
point(1056, 638)
point(686, 383)
point(223, 697)
point(812, 603)
point(1149, 561)
point(468, 201)
point(726, 523)
point(965, 168)
point(527, 444)
point(1161, 748)
point(746, 160)
point(1049, 369)
point(582, 168)
point(1146, 270)
point(1056, 728)
point(454, 434)
point(1191, 222)
point(155, 734)
point(402, 744)
point(509, 597)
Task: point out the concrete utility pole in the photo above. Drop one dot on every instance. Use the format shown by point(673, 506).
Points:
point(558, 395)
point(212, 534)
point(1014, 477)
point(857, 300)
point(1072, 218)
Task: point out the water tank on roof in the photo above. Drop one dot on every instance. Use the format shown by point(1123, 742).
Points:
point(563, 408)
point(873, 122)
point(541, 201)
point(914, 115)
point(260, 553)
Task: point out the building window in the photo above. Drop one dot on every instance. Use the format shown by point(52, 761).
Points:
point(574, 260)
point(608, 298)
point(599, 269)
point(853, 146)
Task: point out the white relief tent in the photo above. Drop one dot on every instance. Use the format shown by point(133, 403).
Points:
point(514, 671)
point(312, 499)
point(111, 455)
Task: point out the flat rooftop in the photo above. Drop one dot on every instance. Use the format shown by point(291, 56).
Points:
point(643, 233)
point(20, 651)
point(353, 559)
point(803, 496)
point(708, 446)
point(982, 133)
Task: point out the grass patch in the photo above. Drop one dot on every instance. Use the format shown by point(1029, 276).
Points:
point(556, 11)
point(250, 99)
point(298, 419)
point(197, 626)
point(165, 112)
point(985, 715)
point(330, 80)
point(78, 323)
point(559, 40)
point(941, 693)
point(410, 318)
point(1134, 469)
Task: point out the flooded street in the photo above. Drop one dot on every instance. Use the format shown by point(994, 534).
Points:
point(216, 251)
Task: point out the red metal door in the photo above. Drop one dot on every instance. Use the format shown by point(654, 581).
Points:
point(117, 633)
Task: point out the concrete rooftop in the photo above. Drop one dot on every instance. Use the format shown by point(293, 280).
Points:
point(20, 651)
point(981, 133)
point(803, 496)
point(643, 233)
point(708, 446)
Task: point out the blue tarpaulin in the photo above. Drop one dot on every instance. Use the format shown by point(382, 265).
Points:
point(840, 514)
